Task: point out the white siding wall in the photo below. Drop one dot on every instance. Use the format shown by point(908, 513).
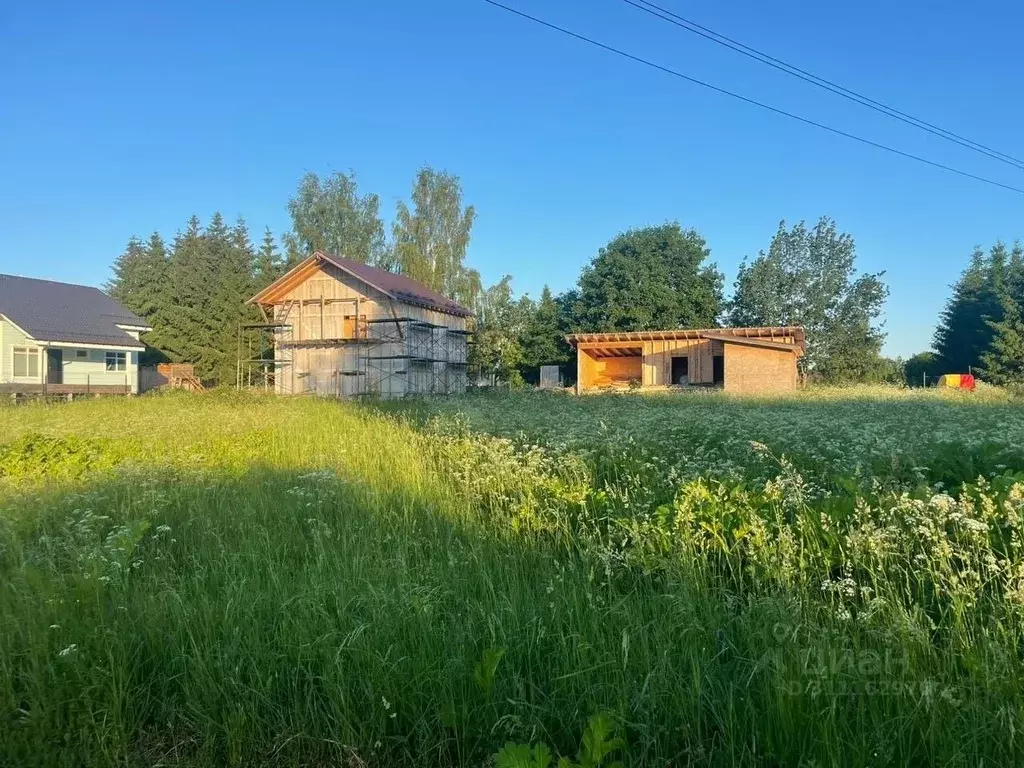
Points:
point(11, 337)
point(92, 369)
point(88, 370)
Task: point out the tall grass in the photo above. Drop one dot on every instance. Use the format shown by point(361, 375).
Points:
point(242, 580)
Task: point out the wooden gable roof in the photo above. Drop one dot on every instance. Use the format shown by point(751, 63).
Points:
point(397, 287)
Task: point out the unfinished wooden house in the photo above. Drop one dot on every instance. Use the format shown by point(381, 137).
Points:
point(340, 328)
point(747, 360)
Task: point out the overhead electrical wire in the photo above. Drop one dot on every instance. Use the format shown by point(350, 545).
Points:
point(709, 34)
point(748, 100)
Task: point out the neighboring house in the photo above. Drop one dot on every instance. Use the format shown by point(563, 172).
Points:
point(66, 339)
point(342, 328)
point(746, 360)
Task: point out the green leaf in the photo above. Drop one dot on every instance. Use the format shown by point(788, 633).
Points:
point(483, 670)
point(514, 756)
point(599, 740)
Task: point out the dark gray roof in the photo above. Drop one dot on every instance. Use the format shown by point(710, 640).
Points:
point(50, 311)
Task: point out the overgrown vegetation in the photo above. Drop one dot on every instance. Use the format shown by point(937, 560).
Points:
point(831, 579)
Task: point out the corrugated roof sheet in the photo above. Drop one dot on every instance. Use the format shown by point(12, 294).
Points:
point(62, 312)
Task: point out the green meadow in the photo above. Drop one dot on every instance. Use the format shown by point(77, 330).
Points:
point(835, 578)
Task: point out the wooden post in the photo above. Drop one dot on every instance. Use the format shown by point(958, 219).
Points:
point(579, 370)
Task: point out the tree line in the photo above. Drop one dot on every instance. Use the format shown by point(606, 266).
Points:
point(981, 329)
point(193, 291)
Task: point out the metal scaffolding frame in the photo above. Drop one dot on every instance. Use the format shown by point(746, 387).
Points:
point(430, 358)
point(263, 353)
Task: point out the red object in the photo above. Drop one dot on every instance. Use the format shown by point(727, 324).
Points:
point(967, 381)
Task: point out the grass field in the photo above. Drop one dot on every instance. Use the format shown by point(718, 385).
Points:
point(831, 579)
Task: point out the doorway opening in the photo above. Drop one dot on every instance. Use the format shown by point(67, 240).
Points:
point(681, 370)
point(718, 369)
point(54, 366)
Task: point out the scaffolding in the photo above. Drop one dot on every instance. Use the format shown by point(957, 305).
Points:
point(264, 351)
point(426, 358)
point(429, 357)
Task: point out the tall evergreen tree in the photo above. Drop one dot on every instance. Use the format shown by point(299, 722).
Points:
point(268, 265)
point(430, 241)
point(1003, 361)
point(542, 338)
point(139, 282)
point(210, 276)
point(965, 328)
point(331, 216)
point(808, 278)
point(139, 276)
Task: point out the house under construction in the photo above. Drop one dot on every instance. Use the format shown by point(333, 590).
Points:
point(340, 328)
point(758, 360)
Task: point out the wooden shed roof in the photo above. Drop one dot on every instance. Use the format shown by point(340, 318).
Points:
point(762, 336)
point(398, 287)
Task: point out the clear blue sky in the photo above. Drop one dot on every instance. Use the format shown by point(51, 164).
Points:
point(117, 119)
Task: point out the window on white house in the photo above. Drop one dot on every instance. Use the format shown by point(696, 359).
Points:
point(81, 353)
point(115, 361)
point(26, 362)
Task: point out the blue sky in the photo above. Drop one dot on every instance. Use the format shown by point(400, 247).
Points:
point(117, 119)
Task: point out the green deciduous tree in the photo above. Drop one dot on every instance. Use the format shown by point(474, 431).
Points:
point(329, 215)
point(497, 351)
point(808, 278)
point(922, 369)
point(430, 240)
point(648, 278)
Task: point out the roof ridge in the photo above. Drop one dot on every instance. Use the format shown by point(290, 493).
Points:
point(55, 282)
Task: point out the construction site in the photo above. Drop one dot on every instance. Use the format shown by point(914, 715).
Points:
point(338, 328)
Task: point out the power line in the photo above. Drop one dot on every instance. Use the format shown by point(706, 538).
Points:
point(709, 34)
point(748, 100)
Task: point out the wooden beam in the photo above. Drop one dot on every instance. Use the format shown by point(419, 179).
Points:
point(612, 345)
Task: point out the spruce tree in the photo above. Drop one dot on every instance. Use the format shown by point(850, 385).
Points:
point(188, 279)
point(1003, 361)
point(268, 265)
point(139, 283)
point(965, 328)
point(542, 341)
